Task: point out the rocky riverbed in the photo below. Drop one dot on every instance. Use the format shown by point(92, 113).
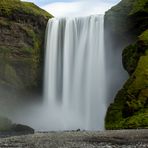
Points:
point(78, 139)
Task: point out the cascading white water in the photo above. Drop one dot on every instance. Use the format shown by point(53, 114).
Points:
point(74, 83)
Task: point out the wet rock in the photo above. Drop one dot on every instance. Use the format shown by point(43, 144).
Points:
point(19, 128)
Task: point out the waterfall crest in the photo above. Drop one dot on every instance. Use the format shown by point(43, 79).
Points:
point(74, 80)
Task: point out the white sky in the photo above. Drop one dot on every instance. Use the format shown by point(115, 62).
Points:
point(75, 7)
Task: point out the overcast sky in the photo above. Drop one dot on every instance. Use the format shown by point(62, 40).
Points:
point(75, 7)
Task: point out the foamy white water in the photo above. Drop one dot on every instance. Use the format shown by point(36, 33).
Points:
point(74, 82)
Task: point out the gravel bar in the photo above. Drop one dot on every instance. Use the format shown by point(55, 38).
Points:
point(78, 139)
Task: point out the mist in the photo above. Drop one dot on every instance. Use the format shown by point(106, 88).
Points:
point(38, 112)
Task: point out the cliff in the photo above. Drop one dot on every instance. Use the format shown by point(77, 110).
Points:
point(22, 29)
point(127, 22)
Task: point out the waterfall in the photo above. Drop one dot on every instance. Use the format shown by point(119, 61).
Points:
point(74, 79)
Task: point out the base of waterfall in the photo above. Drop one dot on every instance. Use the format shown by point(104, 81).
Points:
point(69, 139)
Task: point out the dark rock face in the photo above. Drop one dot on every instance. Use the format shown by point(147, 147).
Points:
point(129, 25)
point(22, 30)
point(6, 126)
point(118, 24)
point(18, 128)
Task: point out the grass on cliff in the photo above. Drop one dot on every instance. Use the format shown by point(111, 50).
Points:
point(8, 7)
point(144, 38)
point(140, 5)
point(130, 109)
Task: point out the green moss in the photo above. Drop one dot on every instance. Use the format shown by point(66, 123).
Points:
point(139, 5)
point(8, 7)
point(130, 57)
point(11, 76)
point(23, 27)
point(133, 52)
point(114, 117)
point(26, 50)
point(131, 103)
point(36, 41)
point(144, 38)
point(139, 120)
point(35, 10)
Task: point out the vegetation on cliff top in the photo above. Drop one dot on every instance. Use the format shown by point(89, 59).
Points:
point(139, 6)
point(9, 7)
